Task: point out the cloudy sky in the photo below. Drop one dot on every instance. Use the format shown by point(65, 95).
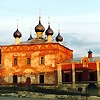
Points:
point(79, 21)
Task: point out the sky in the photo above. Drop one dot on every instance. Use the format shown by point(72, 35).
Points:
point(79, 22)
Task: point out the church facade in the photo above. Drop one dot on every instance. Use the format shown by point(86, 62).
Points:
point(39, 60)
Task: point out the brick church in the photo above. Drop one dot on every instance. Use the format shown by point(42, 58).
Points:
point(40, 60)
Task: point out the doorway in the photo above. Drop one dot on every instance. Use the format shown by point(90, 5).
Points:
point(42, 78)
point(15, 79)
point(92, 89)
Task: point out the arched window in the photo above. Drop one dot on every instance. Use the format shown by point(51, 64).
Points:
point(85, 61)
point(15, 61)
point(42, 60)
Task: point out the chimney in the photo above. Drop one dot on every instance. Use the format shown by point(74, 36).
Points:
point(89, 54)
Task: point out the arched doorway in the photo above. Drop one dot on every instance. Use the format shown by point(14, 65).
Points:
point(92, 89)
point(28, 81)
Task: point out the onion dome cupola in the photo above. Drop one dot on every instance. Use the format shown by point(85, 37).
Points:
point(17, 34)
point(39, 27)
point(30, 38)
point(49, 31)
point(89, 51)
point(59, 38)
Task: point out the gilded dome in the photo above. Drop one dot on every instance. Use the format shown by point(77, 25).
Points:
point(17, 34)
